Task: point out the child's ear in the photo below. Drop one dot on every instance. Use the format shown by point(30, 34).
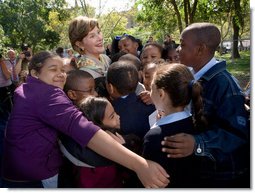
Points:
point(72, 95)
point(162, 93)
point(109, 88)
point(136, 45)
point(112, 90)
point(34, 73)
point(201, 49)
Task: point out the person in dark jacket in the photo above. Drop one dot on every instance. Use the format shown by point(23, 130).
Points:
point(224, 145)
point(121, 83)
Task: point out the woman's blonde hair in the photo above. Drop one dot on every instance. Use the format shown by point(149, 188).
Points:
point(79, 28)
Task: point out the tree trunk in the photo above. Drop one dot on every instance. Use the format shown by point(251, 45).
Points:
point(237, 22)
point(235, 52)
point(179, 20)
point(186, 14)
point(192, 14)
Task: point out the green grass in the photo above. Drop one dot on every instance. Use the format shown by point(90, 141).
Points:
point(240, 67)
point(237, 67)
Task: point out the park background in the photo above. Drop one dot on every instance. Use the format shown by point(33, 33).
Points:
point(43, 24)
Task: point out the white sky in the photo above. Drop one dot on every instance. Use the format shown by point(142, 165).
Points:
point(107, 5)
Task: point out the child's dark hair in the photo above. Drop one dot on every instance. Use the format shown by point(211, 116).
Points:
point(178, 81)
point(166, 50)
point(38, 60)
point(155, 44)
point(72, 78)
point(117, 56)
point(136, 61)
point(205, 33)
point(115, 48)
point(93, 109)
point(123, 75)
point(126, 36)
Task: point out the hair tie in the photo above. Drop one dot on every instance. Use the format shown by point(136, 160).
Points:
point(190, 86)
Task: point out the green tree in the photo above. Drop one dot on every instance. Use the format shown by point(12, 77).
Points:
point(238, 24)
point(85, 8)
point(163, 15)
point(168, 13)
point(156, 16)
point(230, 15)
point(113, 24)
point(28, 21)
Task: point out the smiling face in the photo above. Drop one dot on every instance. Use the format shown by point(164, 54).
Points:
point(128, 46)
point(53, 72)
point(111, 118)
point(85, 88)
point(150, 53)
point(92, 44)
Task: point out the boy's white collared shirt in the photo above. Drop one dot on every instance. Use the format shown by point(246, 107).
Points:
point(203, 70)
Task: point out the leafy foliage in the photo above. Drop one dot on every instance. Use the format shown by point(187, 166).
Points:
point(113, 24)
point(157, 17)
point(28, 22)
point(44, 23)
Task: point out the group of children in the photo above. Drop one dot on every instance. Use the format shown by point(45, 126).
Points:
point(125, 116)
point(139, 100)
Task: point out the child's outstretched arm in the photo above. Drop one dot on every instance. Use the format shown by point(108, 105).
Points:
point(151, 174)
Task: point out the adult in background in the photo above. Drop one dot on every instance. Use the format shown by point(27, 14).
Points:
point(9, 77)
point(6, 92)
point(70, 53)
point(169, 41)
point(150, 40)
point(28, 53)
point(224, 145)
point(14, 64)
point(60, 52)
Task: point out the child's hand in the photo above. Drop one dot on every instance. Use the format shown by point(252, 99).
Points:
point(116, 137)
point(152, 175)
point(160, 114)
point(145, 97)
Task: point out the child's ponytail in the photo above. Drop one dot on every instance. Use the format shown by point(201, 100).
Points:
point(197, 105)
